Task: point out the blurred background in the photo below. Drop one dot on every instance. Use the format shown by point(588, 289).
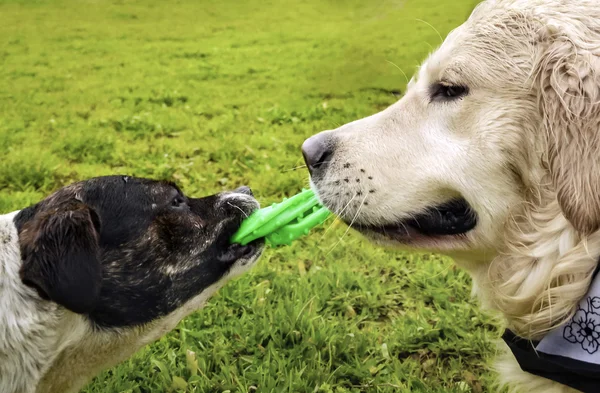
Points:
point(216, 94)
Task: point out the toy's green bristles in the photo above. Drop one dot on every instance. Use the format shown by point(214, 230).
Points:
point(282, 223)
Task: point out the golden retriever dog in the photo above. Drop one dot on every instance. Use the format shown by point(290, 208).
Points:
point(492, 156)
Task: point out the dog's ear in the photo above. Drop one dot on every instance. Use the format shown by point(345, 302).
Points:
point(568, 79)
point(59, 250)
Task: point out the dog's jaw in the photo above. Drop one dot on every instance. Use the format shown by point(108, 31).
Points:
point(93, 353)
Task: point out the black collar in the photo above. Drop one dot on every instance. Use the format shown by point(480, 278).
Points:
point(579, 375)
point(574, 373)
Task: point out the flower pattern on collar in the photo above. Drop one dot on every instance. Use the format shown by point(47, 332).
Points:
point(584, 327)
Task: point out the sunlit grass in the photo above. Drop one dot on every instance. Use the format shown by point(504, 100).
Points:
point(218, 94)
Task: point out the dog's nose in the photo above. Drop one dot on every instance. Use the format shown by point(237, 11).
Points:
point(317, 152)
point(244, 190)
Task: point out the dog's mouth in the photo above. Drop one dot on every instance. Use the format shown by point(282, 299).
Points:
point(233, 252)
point(451, 219)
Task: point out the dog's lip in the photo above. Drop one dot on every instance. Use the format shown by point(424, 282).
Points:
point(232, 252)
point(389, 230)
point(235, 251)
point(410, 237)
point(451, 219)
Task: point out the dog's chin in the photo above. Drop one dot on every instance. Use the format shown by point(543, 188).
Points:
point(443, 227)
point(236, 252)
point(242, 258)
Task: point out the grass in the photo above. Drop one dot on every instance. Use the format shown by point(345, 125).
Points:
point(218, 94)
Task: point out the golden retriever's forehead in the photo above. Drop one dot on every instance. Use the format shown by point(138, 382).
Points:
point(449, 63)
point(484, 49)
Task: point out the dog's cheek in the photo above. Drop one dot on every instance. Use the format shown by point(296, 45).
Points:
point(172, 233)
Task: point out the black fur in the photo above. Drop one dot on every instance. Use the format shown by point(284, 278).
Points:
point(154, 247)
point(60, 256)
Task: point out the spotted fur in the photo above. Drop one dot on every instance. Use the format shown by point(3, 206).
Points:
point(102, 267)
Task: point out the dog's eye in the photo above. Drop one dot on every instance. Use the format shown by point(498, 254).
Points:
point(446, 92)
point(178, 202)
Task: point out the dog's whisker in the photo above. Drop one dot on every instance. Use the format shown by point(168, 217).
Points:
point(302, 166)
point(294, 168)
point(239, 208)
point(349, 226)
point(434, 29)
point(337, 214)
point(383, 230)
point(431, 48)
point(399, 69)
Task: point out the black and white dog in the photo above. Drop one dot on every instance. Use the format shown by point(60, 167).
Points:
point(103, 267)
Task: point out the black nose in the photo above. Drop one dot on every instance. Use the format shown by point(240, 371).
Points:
point(244, 190)
point(317, 152)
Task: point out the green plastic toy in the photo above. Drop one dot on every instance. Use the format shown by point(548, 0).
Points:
point(282, 223)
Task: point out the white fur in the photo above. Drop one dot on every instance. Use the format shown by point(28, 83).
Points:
point(30, 330)
point(522, 148)
point(47, 349)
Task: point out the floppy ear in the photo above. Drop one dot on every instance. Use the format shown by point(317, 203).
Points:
point(59, 249)
point(569, 91)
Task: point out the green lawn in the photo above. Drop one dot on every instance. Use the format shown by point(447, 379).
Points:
point(215, 94)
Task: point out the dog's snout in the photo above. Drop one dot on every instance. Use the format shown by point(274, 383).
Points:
point(239, 200)
point(317, 152)
point(243, 190)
